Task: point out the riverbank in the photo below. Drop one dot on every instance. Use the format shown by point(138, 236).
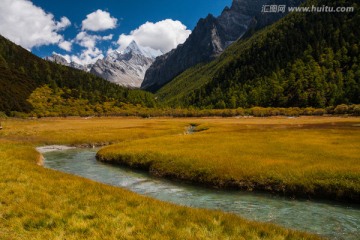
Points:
point(330, 220)
point(39, 203)
point(310, 158)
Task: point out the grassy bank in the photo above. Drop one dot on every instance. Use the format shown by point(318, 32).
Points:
point(303, 157)
point(38, 203)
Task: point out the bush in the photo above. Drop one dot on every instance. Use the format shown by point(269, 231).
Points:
point(330, 110)
point(240, 112)
point(259, 112)
point(319, 112)
point(19, 114)
point(309, 111)
point(293, 112)
point(356, 110)
point(3, 115)
point(341, 109)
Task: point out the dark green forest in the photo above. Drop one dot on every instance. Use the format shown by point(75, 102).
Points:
point(22, 72)
point(303, 60)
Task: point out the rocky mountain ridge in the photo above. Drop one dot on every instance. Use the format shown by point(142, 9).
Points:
point(126, 68)
point(211, 37)
point(208, 40)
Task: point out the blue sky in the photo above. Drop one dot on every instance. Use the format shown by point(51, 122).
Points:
point(35, 29)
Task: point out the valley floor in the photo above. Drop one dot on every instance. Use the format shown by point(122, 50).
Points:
point(307, 157)
point(40, 203)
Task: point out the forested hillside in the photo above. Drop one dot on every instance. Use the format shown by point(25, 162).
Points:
point(305, 59)
point(21, 73)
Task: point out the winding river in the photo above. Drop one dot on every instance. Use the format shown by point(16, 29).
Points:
point(334, 221)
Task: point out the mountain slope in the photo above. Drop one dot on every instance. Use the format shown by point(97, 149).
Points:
point(22, 72)
point(210, 38)
point(305, 59)
point(126, 68)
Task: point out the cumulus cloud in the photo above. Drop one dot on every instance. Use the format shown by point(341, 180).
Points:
point(65, 45)
point(164, 35)
point(90, 54)
point(89, 41)
point(87, 56)
point(99, 21)
point(30, 26)
point(108, 37)
point(64, 23)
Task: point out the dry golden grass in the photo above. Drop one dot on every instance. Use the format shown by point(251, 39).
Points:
point(307, 157)
point(38, 203)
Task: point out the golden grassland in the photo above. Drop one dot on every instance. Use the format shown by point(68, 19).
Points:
point(39, 203)
point(302, 157)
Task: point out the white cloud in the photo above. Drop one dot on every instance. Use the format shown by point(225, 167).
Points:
point(89, 41)
point(86, 40)
point(28, 25)
point(91, 53)
point(99, 21)
point(164, 35)
point(108, 37)
point(64, 23)
point(66, 45)
point(88, 56)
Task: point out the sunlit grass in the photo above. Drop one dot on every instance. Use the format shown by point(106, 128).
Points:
point(306, 157)
point(39, 203)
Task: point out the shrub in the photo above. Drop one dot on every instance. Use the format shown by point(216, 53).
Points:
point(341, 109)
point(240, 112)
point(259, 112)
point(3, 115)
point(319, 112)
point(330, 110)
point(309, 111)
point(356, 110)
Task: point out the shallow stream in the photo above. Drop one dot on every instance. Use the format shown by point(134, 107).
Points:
point(331, 220)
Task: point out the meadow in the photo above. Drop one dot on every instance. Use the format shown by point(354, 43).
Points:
point(39, 203)
point(307, 157)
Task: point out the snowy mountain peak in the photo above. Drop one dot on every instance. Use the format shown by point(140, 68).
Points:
point(128, 67)
point(148, 52)
point(134, 48)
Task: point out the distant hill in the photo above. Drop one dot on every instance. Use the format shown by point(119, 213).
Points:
point(305, 59)
point(21, 73)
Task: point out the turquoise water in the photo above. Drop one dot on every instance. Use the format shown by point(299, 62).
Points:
point(331, 220)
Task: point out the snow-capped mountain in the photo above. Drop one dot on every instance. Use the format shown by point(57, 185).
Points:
point(126, 68)
point(56, 58)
